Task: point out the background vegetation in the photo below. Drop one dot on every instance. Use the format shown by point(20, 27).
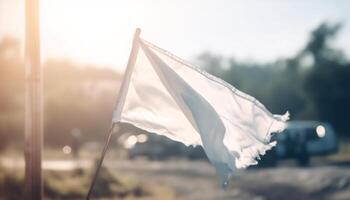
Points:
point(314, 84)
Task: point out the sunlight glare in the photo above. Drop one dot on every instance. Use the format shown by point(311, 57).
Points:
point(83, 30)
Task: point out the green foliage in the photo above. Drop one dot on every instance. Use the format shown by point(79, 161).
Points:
point(11, 184)
point(74, 185)
point(11, 92)
point(82, 97)
point(319, 90)
point(75, 97)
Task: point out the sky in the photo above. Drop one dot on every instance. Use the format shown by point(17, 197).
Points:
point(100, 32)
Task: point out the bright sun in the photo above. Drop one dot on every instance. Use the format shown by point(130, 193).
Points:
point(83, 30)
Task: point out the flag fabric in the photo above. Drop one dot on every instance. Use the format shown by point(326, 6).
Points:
point(163, 94)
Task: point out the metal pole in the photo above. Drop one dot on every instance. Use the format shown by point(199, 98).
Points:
point(99, 165)
point(33, 104)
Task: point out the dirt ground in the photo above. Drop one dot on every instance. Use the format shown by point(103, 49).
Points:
point(196, 180)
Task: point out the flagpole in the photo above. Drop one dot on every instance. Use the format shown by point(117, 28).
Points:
point(99, 165)
point(131, 62)
point(33, 103)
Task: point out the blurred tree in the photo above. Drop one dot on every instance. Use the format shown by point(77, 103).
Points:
point(319, 44)
point(82, 97)
point(314, 84)
point(11, 92)
point(328, 81)
point(75, 97)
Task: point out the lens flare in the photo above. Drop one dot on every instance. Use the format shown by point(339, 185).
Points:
point(67, 149)
point(130, 142)
point(142, 138)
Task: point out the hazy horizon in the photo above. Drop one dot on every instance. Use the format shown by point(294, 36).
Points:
point(100, 32)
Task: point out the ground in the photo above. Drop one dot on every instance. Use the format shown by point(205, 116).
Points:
point(196, 180)
point(183, 179)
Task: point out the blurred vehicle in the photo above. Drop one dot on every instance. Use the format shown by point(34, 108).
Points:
point(301, 140)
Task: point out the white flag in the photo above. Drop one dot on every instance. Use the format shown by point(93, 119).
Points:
point(163, 94)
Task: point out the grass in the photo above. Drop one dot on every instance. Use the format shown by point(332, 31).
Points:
point(74, 185)
point(11, 184)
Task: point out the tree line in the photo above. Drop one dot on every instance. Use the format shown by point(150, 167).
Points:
point(314, 84)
